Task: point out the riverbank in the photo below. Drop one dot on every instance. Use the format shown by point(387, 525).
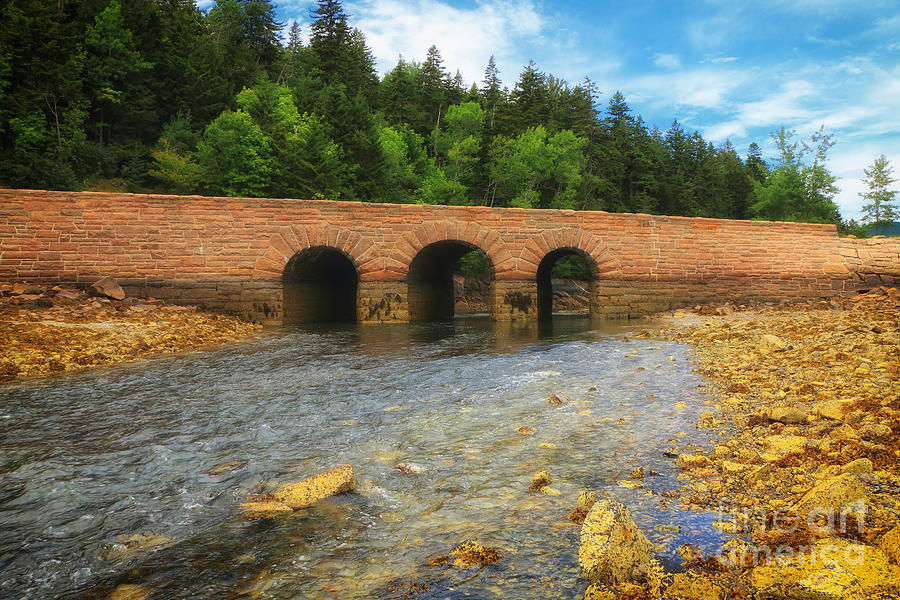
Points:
point(48, 330)
point(806, 471)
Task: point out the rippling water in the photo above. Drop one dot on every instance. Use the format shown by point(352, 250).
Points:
point(124, 450)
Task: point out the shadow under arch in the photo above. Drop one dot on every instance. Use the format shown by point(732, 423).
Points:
point(430, 280)
point(545, 277)
point(320, 286)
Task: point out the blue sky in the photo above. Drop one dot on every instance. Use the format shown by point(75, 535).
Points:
point(731, 69)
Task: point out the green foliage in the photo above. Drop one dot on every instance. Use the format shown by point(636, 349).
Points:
point(537, 169)
point(880, 207)
point(235, 156)
point(572, 266)
point(795, 190)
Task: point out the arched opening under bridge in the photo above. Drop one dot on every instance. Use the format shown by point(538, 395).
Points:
point(566, 278)
point(320, 286)
point(448, 278)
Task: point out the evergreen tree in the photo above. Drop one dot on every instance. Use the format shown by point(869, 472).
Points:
point(880, 207)
point(529, 105)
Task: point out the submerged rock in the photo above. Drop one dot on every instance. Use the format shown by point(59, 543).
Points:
point(410, 468)
point(474, 554)
point(555, 400)
point(303, 493)
point(128, 591)
point(539, 480)
point(225, 467)
point(613, 549)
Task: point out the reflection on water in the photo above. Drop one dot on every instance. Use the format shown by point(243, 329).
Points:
point(91, 459)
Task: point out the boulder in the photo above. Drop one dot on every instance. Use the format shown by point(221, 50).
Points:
point(770, 343)
point(303, 493)
point(692, 461)
point(832, 409)
point(890, 544)
point(108, 287)
point(831, 495)
point(786, 444)
point(787, 414)
point(874, 432)
point(860, 465)
point(844, 432)
point(833, 569)
point(613, 549)
point(696, 586)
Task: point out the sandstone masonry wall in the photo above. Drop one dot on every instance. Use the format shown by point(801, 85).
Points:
point(230, 253)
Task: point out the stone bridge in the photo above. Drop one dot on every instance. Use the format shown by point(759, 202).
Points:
point(277, 261)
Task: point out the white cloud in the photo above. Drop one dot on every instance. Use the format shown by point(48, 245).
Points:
point(701, 88)
point(466, 37)
point(667, 61)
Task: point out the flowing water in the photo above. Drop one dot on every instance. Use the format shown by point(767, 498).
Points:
point(93, 458)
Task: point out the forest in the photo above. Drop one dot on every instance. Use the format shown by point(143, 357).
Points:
point(160, 96)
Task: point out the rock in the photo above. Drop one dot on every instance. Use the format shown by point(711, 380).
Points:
point(832, 409)
point(692, 461)
point(844, 432)
point(128, 591)
point(690, 554)
point(587, 499)
point(786, 444)
point(696, 586)
point(555, 400)
point(612, 549)
point(597, 592)
point(549, 491)
point(19, 289)
point(637, 473)
point(831, 569)
point(473, 554)
point(770, 343)
point(734, 467)
point(787, 414)
point(225, 467)
point(525, 430)
point(830, 495)
point(890, 544)
point(860, 465)
point(410, 468)
point(303, 493)
point(874, 432)
point(108, 287)
point(539, 480)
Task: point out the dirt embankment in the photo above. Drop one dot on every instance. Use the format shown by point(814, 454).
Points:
point(52, 329)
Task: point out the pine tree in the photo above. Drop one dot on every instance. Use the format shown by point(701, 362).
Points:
point(880, 208)
point(756, 166)
point(529, 106)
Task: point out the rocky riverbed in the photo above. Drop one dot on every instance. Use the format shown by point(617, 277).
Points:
point(49, 330)
point(806, 471)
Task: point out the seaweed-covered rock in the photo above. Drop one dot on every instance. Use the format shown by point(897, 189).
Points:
point(833, 568)
point(613, 549)
point(303, 493)
point(474, 554)
point(832, 494)
point(694, 586)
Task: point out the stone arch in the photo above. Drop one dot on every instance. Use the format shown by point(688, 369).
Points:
point(285, 243)
point(320, 285)
point(543, 251)
point(583, 242)
point(408, 246)
point(430, 284)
